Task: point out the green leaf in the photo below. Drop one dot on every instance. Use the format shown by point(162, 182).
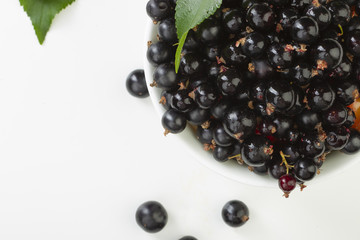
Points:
point(42, 13)
point(189, 14)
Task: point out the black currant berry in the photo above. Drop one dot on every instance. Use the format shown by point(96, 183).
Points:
point(312, 144)
point(351, 117)
point(283, 125)
point(222, 154)
point(352, 43)
point(305, 30)
point(173, 121)
point(336, 115)
point(337, 137)
point(210, 31)
point(188, 238)
point(340, 11)
point(261, 68)
point(320, 13)
point(151, 216)
point(276, 168)
point(232, 21)
point(256, 150)
point(136, 84)
point(191, 64)
point(205, 135)
point(159, 53)
point(280, 56)
point(235, 213)
point(320, 96)
point(253, 45)
point(299, 104)
point(230, 82)
point(308, 120)
point(347, 92)
point(233, 55)
point(327, 55)
point(262, 170)
point(305, 169)
point(158, 9)
point(167, 31)
point(301, 74)
point(343, 71)
point(221, 137)
point(353, 145)
point(219, 109)
point(165, 76)
point(181, 101)
point(291, 151)
point(280, 96)
point(211, 53)
point(165, 99)
point(205, 95)
point(240, 122)
point(261, 17)
point(191, 42)
point(198, 116)
point(286, 18)
point(354, 24)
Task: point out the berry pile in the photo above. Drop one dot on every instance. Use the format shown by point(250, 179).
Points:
point(265, 83)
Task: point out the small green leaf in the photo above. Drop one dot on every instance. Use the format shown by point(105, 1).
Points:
point(178, 51)
point(42, 13)
point(189, 14)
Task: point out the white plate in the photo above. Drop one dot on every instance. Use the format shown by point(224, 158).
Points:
point(335, 162)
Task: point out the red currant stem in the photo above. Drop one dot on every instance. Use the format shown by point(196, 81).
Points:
point(283, 156)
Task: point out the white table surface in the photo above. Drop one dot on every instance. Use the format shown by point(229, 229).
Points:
point(78, 154)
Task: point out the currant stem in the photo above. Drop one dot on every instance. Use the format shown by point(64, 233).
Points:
point(288, 166)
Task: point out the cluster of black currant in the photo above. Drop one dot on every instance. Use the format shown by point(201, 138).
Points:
point(152, 217)
point(265, 83)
